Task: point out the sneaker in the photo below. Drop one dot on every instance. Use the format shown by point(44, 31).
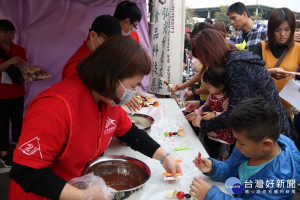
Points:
point(6, 160)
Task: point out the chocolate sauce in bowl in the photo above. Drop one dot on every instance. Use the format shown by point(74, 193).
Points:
point(120, 175)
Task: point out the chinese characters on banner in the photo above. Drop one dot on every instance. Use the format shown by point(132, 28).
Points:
point(270, 186)
point(167, 40)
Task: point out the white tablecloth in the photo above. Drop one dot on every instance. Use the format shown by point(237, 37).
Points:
point(168, 118)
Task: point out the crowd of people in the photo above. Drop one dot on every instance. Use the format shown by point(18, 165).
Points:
point(249, 72)
point(245, 126)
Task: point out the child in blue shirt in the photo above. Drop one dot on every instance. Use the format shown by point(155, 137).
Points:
point(266, 162)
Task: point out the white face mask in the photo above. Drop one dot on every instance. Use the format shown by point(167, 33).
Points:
point(125, 34)
point(127, 96)
point(93, 44)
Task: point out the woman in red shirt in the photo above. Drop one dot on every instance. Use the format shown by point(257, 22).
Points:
point(71, 124)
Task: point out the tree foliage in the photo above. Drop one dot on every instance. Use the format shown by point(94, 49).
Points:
point(259, 15)
point(222, 15)
point(189, 14)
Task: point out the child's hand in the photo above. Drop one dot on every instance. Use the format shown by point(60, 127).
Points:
point(199, 188)
point(196, 121)
point(205, 166)
point(191, 105)
point(208, 115)
point(190, 116)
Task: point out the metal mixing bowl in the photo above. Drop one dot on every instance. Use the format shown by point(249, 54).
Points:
point(142, 121)
point(125, 174)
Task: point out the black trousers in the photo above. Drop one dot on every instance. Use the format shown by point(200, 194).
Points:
point(214, 146)
point(11, 111)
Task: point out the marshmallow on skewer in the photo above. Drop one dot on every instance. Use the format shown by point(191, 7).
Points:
point(166, 82)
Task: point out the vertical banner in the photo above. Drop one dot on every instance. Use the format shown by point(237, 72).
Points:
point(167, 43)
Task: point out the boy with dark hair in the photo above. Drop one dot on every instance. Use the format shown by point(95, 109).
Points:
point(129, 15)
point(266, 162)
point(251, 32)
point(12, 90)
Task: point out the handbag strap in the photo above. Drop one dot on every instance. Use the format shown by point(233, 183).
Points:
point(279, 61)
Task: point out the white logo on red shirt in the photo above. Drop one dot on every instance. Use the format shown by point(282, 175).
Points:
point(31, 147)
point(108, 127)
point(109, 122)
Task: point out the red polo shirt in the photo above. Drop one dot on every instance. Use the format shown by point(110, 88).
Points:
point(71, 66)
point(12, 90)
point(83, 52)
point(64, 129)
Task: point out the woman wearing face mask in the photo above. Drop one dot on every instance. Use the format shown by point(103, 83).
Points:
point(281, 28)
point(71, 124)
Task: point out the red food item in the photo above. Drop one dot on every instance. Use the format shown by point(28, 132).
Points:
point(170, 134)
point(199, 158)
point(180, 195)
point(165, 82)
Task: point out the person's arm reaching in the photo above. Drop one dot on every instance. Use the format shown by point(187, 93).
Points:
point(238, 83)
point(196, 78)
point(140, 141)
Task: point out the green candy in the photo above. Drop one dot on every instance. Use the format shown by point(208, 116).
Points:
point(181, 148)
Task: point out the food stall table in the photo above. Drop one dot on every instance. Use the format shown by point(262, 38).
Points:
point(168, 118)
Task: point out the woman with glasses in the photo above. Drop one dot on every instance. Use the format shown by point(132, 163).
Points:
point(71, 124)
